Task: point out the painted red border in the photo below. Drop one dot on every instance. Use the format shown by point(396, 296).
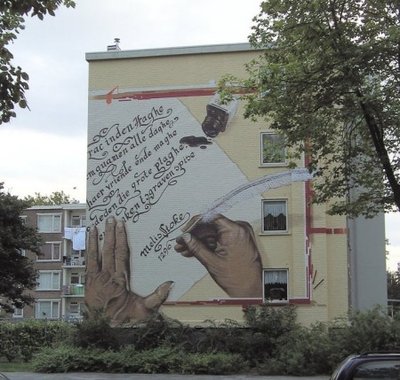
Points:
point(309, 229)
point(237, 302)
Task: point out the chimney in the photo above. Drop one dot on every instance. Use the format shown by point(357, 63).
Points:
point(114, 47)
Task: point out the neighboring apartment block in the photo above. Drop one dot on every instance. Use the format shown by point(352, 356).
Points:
point(61, 266)
point(162, 149)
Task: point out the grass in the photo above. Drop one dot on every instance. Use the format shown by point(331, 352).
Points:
point(6, 366)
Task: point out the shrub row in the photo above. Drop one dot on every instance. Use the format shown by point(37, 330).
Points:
point(158, 360)
point(270, 343)
point(21, 340)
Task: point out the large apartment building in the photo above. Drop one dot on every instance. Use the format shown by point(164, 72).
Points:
point(61, 266)
point(162, 150)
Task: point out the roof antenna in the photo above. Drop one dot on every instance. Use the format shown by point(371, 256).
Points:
point(114, 47)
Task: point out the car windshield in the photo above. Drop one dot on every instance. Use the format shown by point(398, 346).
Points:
point(338, 368)
point(378, 369)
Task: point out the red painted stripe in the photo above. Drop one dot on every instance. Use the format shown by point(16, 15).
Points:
point(236, 302)
point(328, 231)
point(173, 93)
point(179, 93)
point(300, 301)
point(143, 95)
point(228, 302)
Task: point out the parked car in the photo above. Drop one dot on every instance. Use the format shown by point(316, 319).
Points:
point(369, 365)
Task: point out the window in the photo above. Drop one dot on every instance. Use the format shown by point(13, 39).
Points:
point(77, 278)
point(75, 308)
point(49, 222)
point(273, 150)
point(275, 285)
point(47, 309)
point(78, 221)
point(18, 313)
point(389, 369)
point(49, 280)
point(274, 216)
point(51, 251)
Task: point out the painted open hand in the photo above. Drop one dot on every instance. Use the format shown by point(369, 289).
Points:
point(108, 279)
point(231, 256)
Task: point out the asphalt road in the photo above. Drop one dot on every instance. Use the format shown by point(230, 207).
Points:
point(129, 376)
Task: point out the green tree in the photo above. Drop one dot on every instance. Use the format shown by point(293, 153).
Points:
point(328, 79)
point(55, 198)
point(14, 81)
point(16, 271)
point(393, 285)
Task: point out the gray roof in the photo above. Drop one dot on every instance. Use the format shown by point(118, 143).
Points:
point(170, 51)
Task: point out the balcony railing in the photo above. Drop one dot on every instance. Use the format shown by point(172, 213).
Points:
point(73, 262)
point(73, 290)
point(73, 318)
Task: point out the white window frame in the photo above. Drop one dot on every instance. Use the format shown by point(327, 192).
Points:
point(38, 313)
point(53, 228)
point(269, 164)
point(52, 272)
point(267, 297)
point(79, 308)
point(272, 163)
point(18, 313)
point(52, 243)
point(82, 220)
point(277, 231)
point(80, 276)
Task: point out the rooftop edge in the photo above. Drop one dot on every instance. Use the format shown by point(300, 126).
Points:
point(168, 51)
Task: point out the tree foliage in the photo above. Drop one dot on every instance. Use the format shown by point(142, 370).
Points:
point(14, 81)
point(393, 285)
point(55, 198)
point(16, 271)
point(328, 79)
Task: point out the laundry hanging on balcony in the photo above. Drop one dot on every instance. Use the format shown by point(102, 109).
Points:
point(78, 237)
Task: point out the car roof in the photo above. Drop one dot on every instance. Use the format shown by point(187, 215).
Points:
point(378, 354)
point(347, 366)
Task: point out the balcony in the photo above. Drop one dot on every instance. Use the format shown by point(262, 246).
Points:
point(74, 262)
point(73, 290)
point(73, 318)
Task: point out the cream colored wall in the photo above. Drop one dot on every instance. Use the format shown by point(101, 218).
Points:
point(165, 71)
point(241, 142)
point(199, 314)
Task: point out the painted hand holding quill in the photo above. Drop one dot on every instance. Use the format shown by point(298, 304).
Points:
point(227, 248)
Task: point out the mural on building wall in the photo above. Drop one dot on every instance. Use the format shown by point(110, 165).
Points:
point(153, 169)
point(108, 278)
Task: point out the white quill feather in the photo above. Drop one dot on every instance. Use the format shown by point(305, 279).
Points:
point(254, 188)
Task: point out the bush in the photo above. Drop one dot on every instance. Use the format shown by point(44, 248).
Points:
point(268, 327)
point(95, 332)
point(68, 358)
point(21, 340)
point(272, 343)
point(219, 363)
point(302, 352)
point(222, 337)
point(159, 360)
point(371, 330)
point(154, 332)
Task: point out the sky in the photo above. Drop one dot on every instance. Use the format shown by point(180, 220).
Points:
point(44, 149)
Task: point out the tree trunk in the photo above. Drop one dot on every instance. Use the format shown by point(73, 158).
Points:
point(379, 144)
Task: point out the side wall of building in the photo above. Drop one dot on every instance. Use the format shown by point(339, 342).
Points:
point(368, 262)
point(154, 164)
point(61, 266)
